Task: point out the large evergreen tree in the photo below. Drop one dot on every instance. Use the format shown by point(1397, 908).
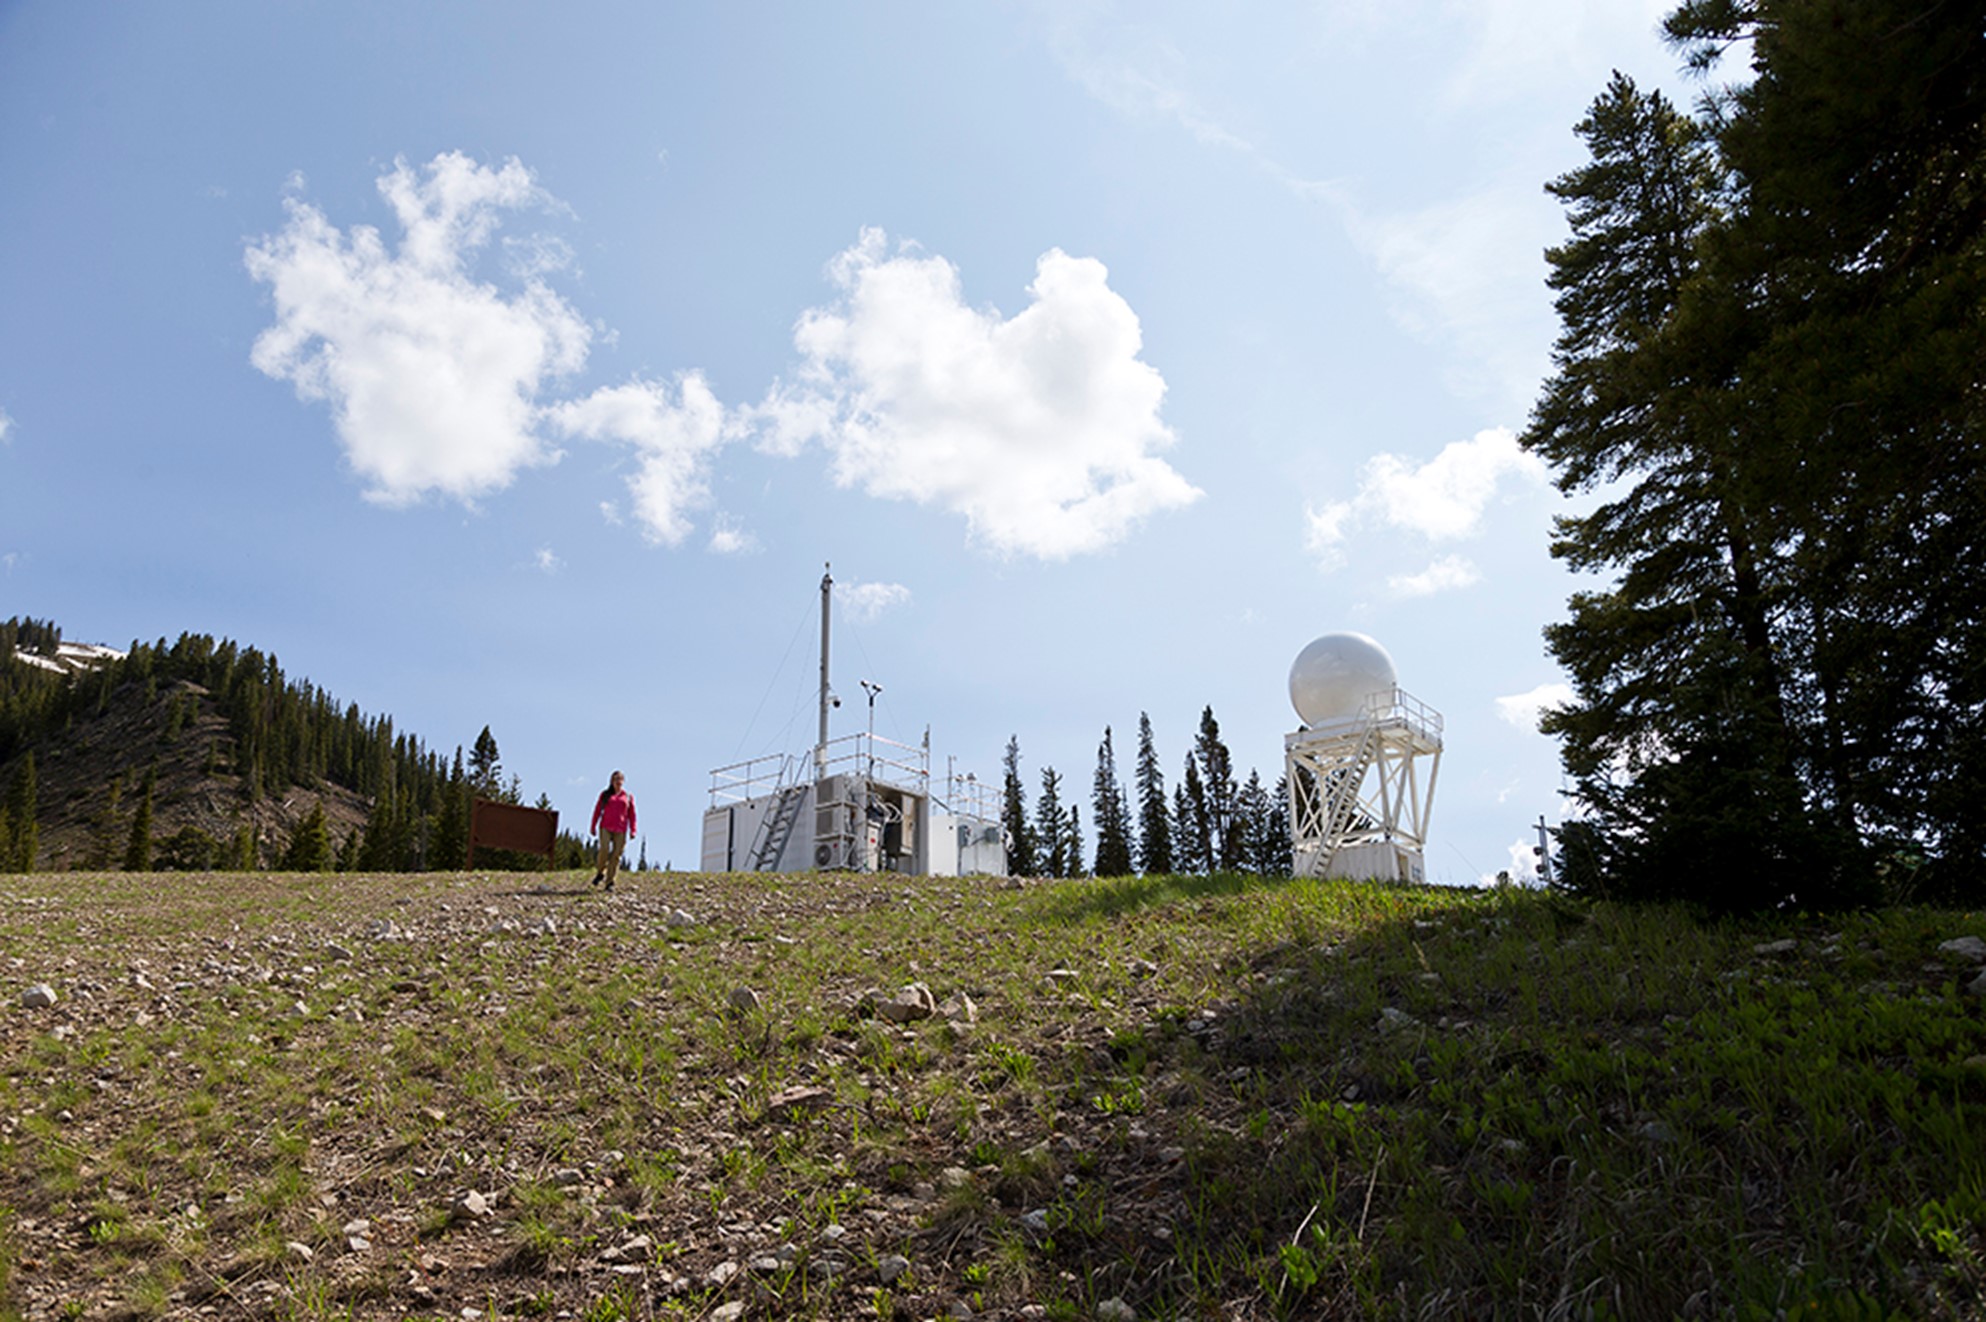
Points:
point(1111, 814)
point(1154, 819)
point(1021, 857)
point(1771, 365)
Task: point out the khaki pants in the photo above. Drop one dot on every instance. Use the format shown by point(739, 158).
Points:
point(611, 845)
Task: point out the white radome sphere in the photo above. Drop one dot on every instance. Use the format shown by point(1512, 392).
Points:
point(1331, 679)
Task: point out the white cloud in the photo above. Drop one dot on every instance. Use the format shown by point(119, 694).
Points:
point(1442, 500)
point(865, 602)
point(1042, 429)
point(431, 375)
point(1451, 571)
point(727, 538)
point(9, 561)
point(6, 428)
point(547, 561)
point(1523, 709)
point(674, 437)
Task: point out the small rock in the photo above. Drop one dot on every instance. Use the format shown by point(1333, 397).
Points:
point(909, 1005)
point(891, 1267)
point(471, 1206)
point(1392, 1017)
point(1061, 976)
point(954, 1177)
point(546, 926)
point(39, 997)
point(567, 1176)
point(1785, 947)
point(1657, 1133)
point(791, 1102)
point(298, 1251)
point(745, 1001)
point(1965, 947)
point(338, 952)
point(1115, 1310)
point(1977, 987)
point(1036, 1221)
point(730, 1312)
point(681, 918)
point(959, 1009)
point(721, 1275)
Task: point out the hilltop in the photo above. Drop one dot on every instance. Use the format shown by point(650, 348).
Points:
point(836, 1096)
point(239, 758)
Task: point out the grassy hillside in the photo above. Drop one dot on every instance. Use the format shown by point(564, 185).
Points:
point(383, 1096)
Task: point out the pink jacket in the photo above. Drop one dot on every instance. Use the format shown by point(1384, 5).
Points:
point(614, 812)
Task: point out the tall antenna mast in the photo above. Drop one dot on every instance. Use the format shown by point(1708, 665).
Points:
point(820, 747)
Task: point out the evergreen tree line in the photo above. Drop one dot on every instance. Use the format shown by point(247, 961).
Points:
point(1209, 823)
point(281, 734)
point(1771, 371)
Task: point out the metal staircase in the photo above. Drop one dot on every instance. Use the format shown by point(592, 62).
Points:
point(1342, 803)
point(776, 828)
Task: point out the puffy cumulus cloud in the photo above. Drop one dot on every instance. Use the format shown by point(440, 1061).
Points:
point(1451, 571)
point(1523, 710)
point(1043, 429)
point(865, 602)
point(1442, 499)
point(674, 434)
point(431, 374)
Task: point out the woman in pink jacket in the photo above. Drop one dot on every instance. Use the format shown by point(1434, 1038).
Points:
point(613, 822)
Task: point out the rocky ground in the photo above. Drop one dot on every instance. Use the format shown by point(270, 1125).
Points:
point(814, 1146)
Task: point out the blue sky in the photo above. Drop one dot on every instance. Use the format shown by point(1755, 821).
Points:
point(522, 365)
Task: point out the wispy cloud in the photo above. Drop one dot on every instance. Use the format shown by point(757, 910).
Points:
point(547, 561)
point(1445, 574)
point(431, 374)
point(866, 602)
point(6, 428)
point(1442, 500)
point(1524, 709)
point(1043, 429)
point(728, 538)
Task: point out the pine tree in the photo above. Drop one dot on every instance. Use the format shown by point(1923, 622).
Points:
point(310, 845)
point(242, 857)
point(23, 844)
point(138, 849)
point(1217, 778)
point(1109, 812)
point(1051, 825)
point(1154, 821)
point(451, 832)
point(485, 767)
point(1192, 837)
point(1679, 737)
point(1251, 823)
point(1021, 856)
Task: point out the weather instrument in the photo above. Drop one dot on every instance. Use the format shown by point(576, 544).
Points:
point(1362, 768)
